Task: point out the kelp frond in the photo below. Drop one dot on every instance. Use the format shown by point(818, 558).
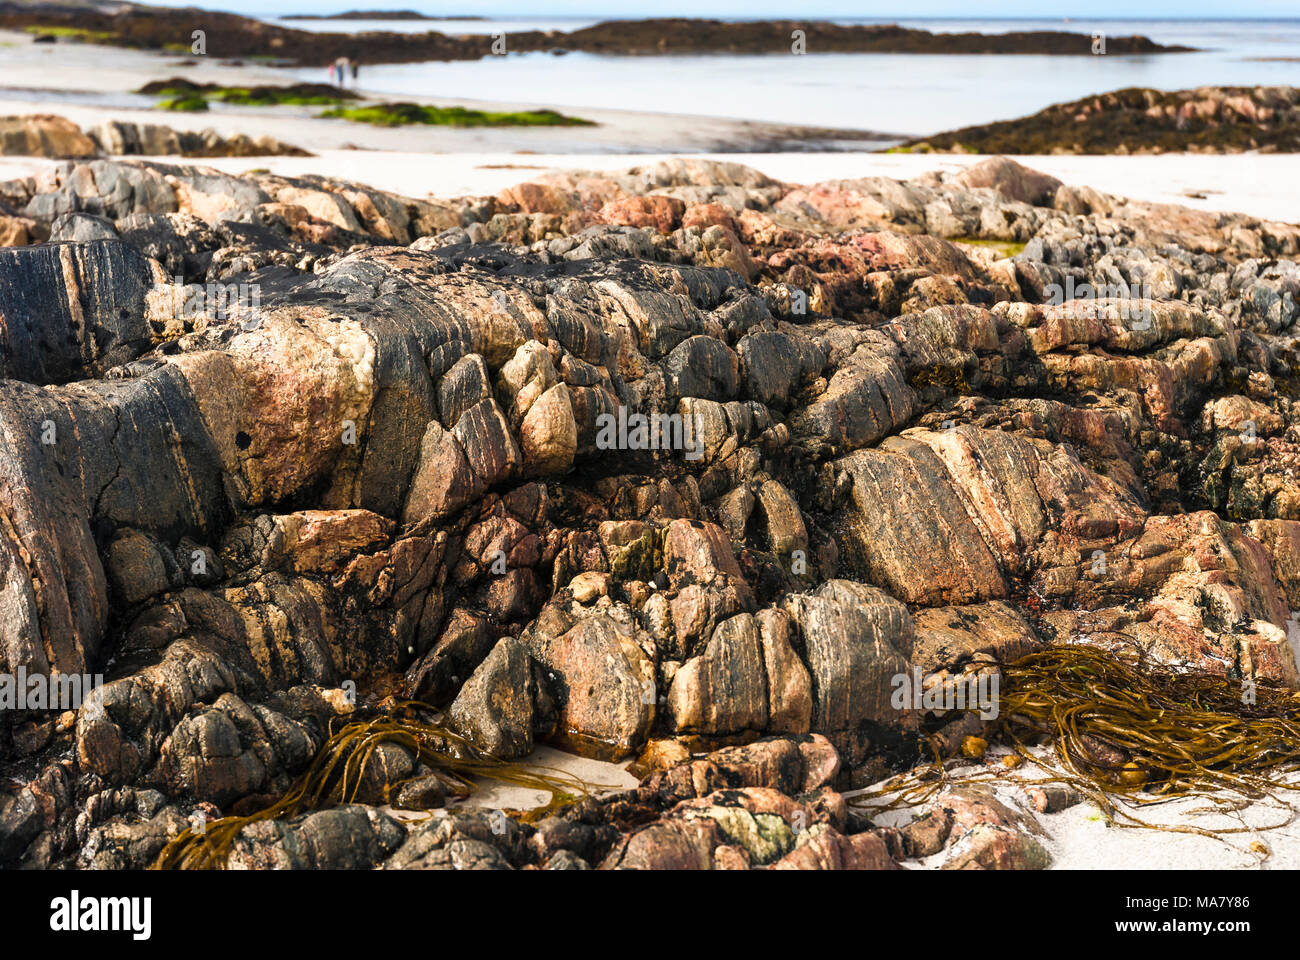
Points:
point(337, 771)
point(1122, 726)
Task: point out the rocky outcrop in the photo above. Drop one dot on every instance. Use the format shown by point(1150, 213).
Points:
point(236, 36)
point(684, 465)
point(45, 135)
point(115, 139)
point(700, 36)
point(1140, 120)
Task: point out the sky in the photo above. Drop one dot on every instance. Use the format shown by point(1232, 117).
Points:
point(902, 9)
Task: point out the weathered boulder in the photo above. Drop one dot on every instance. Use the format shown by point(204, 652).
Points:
point(43, 135)
point(856, 639)
point(73, 311)
point(494, 709)
point(604, 683)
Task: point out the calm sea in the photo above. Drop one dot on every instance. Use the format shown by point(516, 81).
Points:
point(891, 93)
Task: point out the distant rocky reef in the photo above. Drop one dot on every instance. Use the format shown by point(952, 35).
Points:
point(1141, 120)
point(373, 15)
point(230, 35)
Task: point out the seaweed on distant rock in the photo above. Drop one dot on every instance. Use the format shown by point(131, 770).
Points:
point(404, 114)
point(269, 95)
point(1138, 120)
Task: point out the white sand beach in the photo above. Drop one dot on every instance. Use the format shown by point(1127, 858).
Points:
point(1079, 838)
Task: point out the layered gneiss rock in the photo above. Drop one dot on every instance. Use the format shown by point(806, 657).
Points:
point(640, 465)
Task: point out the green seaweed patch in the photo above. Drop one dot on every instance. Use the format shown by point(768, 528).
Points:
point(74, 33)
point(298, 94)
point(186, 103)
point(640, 559)
point(1008, 248)
point(764, 836)
point(927, 147)
point(274, 96)
point(405, 114)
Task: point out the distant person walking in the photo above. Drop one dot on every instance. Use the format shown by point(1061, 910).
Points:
point(356, 69)
point(339, 70)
